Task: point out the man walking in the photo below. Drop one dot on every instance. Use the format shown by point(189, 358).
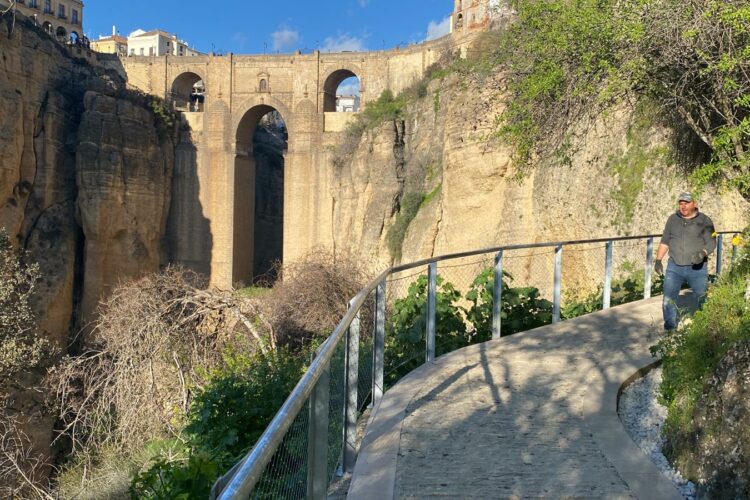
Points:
point(689, 239)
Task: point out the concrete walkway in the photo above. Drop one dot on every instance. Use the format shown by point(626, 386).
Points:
point(530, 415)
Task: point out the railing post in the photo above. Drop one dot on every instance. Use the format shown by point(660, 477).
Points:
point(352, 393)
point(317, 445)
point(431, 306)
point(497, 296)
point(719, 253)
point(558, 284)
point(378, 345)
point(607, 292)
point(648, 271)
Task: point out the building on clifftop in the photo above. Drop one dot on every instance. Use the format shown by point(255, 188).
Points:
point(115, 44)
point(62, 19)
point(470, 16)
point(158, 43)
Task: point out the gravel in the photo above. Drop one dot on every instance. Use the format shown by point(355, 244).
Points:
point(643, 418)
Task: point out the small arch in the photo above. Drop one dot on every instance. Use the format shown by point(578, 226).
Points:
point(47, 27)
point(75, 39)
point(263, 85)
point(341, 79)
point(188, 92)
point(61, 33)
point(460, 21)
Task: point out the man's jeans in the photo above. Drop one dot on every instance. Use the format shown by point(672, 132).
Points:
point(695, 276)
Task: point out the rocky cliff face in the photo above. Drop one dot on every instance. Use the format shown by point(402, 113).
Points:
point(618, 175)
point(720, 445)
point(84, 174)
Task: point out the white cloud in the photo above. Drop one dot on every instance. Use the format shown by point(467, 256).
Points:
point(343, 43)
point(284, 38)
point(363, 3)
point(437, 29)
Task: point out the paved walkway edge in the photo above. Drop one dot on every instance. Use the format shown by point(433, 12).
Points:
point(632, 464)
point(374, 475)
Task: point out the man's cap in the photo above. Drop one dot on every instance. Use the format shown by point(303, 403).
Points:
point(685, 196)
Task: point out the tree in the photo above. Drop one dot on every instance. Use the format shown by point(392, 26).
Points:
point(696, 61)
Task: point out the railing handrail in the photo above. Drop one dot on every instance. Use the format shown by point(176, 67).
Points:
point(243, 477)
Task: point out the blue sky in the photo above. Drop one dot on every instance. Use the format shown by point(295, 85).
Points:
point(252, 26)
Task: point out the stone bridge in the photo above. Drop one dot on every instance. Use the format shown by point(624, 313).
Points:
point(212, 223)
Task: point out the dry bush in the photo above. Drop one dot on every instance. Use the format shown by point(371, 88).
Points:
point(22, 473)
point(312, 297)
point(155, 340)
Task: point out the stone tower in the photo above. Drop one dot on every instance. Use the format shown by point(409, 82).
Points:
point(470, 16)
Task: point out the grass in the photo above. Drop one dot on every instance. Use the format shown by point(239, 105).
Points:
point(253, 292)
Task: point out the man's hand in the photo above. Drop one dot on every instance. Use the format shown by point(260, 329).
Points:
point(659, 267)
point(699, 257)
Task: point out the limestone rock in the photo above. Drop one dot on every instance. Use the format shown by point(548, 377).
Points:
point(615, 177)
point(722, 421)
point(123, 173)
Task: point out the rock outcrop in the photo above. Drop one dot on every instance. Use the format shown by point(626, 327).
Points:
point(85, 173)
point(721, 442)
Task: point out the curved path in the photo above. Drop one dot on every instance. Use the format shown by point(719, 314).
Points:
point(530, 415)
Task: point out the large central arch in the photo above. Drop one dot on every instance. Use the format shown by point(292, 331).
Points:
point(258, 195)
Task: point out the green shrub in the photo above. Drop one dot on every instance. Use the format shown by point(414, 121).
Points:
point(384, 108)
point(522, 308)
point(226, 418)
point(187, 479)
point(407, 325)
point(230, 413)
point(558, 56)
point(22, 348)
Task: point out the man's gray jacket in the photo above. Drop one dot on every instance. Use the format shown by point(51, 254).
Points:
point(686, 237)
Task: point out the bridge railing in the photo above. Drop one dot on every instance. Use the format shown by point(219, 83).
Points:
point(414, 312)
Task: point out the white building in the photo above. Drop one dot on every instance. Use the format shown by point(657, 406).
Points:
point(157, 43)
point(347, 103)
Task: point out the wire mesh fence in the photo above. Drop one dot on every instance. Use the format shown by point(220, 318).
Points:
point(285, 476)
point(437, 307)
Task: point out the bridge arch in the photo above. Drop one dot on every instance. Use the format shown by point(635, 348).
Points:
point(260, 152)
point(331, 84)
point(188, 91)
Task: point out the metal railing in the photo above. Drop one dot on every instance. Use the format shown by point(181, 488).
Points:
point(312, 438)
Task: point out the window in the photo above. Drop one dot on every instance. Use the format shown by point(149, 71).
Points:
point(142, 51)
point(263, 85)
point(151, 51)
point(48, 6)
point(33, 4)
point(132, 52)
point(61, 11)
point(74, 16)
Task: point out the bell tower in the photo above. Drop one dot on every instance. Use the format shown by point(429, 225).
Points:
point(470, 16)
